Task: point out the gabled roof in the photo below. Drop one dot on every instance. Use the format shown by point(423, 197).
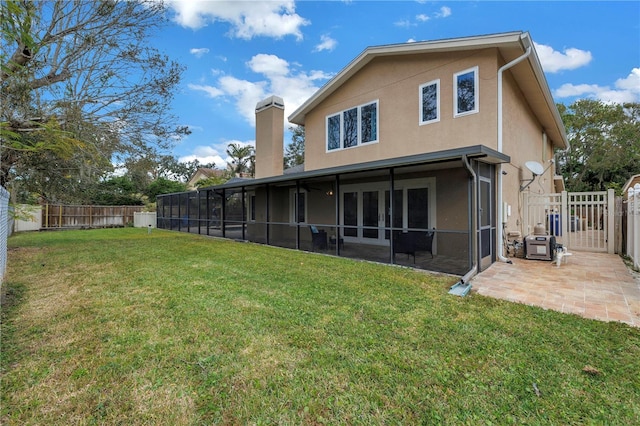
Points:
point(630, 183)
point(530, 79)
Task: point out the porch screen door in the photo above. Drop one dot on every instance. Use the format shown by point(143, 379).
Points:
point(486, 216)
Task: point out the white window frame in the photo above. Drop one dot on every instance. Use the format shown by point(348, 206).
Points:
point(421, 121)
point(293, 197)
point(476, 92)
point(340, 114)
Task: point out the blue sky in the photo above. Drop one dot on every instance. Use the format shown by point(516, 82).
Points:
point(236, 53)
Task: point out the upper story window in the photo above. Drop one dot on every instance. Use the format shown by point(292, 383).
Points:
point(465, 94)
point(353, 127)
point(430, 102)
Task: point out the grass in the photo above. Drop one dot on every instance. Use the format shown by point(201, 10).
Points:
point(124, 327)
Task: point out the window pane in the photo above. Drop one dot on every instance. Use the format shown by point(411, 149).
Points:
point(333, 132)
point(350, 219)
point(350, 123)
point(252, 206)
point(370, 213)
point(485, 203)
point(301, 203)
point(369, 123)
point(466, 92)
point(430, 102)
point(418, 208)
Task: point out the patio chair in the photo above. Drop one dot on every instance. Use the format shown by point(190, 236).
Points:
point(318, 238)
point(411, 242)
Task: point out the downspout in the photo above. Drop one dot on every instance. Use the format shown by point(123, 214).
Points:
point(516, 61)
point(474, 213)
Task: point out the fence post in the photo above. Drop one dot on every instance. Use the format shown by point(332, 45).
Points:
point(565, 215)
point(611, 221)
point(635, 218)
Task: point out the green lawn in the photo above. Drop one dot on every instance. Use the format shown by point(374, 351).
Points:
point(120, 326)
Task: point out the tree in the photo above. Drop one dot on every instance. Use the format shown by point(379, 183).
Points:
point(80, 76)
point(242, 159)
point(294, 154)
point(604, 142)
point(117, 191)
point(164, 186)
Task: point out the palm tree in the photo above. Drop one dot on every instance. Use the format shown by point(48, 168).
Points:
point(242, 159)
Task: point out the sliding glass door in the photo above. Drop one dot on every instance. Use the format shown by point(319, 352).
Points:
point(366, 209)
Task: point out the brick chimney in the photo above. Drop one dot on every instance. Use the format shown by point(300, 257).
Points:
point(269, 137)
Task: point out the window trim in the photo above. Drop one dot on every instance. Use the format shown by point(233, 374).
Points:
point(476, 92)
point(340, 115)
point(422, 122)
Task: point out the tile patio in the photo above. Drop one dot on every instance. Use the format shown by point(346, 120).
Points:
point(593, 285)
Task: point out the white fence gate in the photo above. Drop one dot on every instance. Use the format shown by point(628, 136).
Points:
point(579, 220)
point(4, 230)
point(633, 225)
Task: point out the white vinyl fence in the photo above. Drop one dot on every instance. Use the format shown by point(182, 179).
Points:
point(5, 228)
point(633, 225)
point(578, 220)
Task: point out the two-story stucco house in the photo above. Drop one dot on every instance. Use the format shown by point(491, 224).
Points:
point(414, 154)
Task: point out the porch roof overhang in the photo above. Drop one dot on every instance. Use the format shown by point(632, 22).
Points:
point(479, 152)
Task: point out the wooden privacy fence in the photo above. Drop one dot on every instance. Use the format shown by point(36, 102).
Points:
point(65, 216)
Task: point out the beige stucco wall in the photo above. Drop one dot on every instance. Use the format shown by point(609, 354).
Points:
point(394, 81)
point(523, 140)
point(269, 149)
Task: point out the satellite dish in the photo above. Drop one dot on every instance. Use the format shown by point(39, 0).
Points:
point(535, 167)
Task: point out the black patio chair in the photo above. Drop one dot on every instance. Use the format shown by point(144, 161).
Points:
point(411, 242)
point(318, 238)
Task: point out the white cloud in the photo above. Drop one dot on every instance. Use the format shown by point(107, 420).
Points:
point(216, 153)
point(625, 90)
point(326, 43)
point(199, 52)
point(248, 19)
point(444, 12)
point(631, 82)
point(245, 94)
point(269, 65)
point(213, 92)
point(553, 61)
point(277, 76)
point(405, 24)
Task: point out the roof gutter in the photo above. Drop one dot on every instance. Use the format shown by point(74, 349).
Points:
point(501, 221)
